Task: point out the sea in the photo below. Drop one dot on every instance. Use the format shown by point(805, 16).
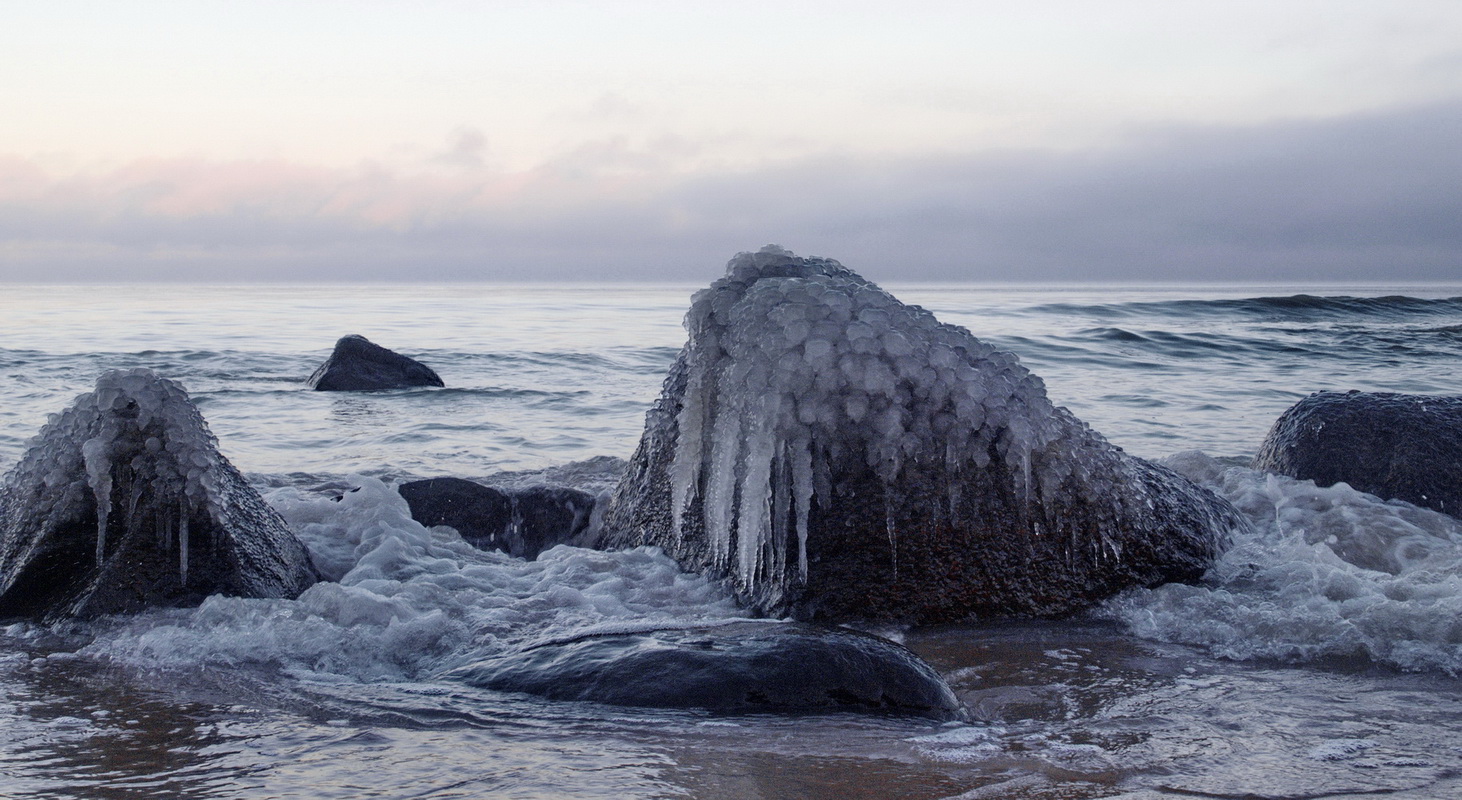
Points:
point(1321, 656)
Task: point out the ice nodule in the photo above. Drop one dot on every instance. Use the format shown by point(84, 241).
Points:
point(837, 454)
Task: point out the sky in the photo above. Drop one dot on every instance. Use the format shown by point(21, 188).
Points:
point(1128, 140)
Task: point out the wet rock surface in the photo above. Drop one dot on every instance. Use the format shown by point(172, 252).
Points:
point(736, 668)
point(358, 364)
point(1395, 446)
point(521, 522)
point(838, 455)
point(123, 502)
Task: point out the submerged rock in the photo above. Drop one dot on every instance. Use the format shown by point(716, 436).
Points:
point(840, 455)
point(358, 364)
point(123, 502)
point(740, 667)
point(1395, 446)
point(522, 523)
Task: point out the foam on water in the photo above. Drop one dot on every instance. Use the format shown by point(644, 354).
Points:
point(1326, 573)
point(410, 601)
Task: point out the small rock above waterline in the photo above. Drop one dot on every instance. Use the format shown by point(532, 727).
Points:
point(1395, 446)
point(742, 667)
point(358, 364)
point(522, 522)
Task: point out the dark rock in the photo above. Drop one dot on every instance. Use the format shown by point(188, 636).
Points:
point(522, 523)
point(357, 364)
point(124, 502)
point(740, 667)
point(1395, 446)
point(839, 455)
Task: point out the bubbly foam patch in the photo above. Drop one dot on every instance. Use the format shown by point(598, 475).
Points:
point(410, 601)
point(1325, 573)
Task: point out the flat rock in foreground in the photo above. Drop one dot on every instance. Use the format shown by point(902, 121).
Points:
point(839, 455)
point(358, 364)
point(737, 668)
point(1395, 446)
point(124, 502)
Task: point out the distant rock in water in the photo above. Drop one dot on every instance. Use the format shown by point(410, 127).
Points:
point(737, 668)
point(358, 364)
point(840, 455)
point(522, 523)
point(1395, 446)
point(123, 502)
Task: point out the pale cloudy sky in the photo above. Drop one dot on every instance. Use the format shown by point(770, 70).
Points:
point(429, 139)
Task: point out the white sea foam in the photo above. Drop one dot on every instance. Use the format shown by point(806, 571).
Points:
point(1326, 573)
point(409, 601)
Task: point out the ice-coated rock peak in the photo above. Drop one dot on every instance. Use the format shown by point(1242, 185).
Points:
point(815, 431)
point(123, 501)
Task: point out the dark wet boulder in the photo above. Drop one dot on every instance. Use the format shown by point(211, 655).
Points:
point(358, 364)
point(839, 455)
point(124, 502)
point(736, 668)
point(1395, 446)
point(522, 522)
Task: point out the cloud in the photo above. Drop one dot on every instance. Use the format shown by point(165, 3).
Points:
point(466, 149)
point(1365, 197)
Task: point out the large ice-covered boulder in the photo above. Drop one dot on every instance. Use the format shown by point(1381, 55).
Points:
point(1395, 446)
point(358, 364)
point(123, 502)
point(840, 455)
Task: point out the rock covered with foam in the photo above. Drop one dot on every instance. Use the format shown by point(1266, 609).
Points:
point(123, 502)
point(1397, 446)
point(358, 364)
point(838, 454)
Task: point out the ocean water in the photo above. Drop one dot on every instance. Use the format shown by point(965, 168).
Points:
point(1320, 656)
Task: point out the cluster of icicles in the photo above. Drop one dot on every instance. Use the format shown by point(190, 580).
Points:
point(796, 366)
point(135, 416)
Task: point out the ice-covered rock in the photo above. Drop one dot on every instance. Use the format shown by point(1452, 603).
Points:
point(738, 667)
point(123, 501)
point(1395, 446)
point(358, 364)
point(521, 522)
point(838, 454)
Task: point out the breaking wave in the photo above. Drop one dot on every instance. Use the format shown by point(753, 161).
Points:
point(1328, 574)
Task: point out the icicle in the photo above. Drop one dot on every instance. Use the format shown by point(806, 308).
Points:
point(802, 482)
point(893, 542)
point(685, 470)
point(103, 508)
point(132, 503)
point(183, 545)
point(99, 476)
point(755, 515)
point(721, 483)
point(1025, 463)
point(781, 509)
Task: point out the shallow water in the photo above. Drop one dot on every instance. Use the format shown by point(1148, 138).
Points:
point(1311, 662)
